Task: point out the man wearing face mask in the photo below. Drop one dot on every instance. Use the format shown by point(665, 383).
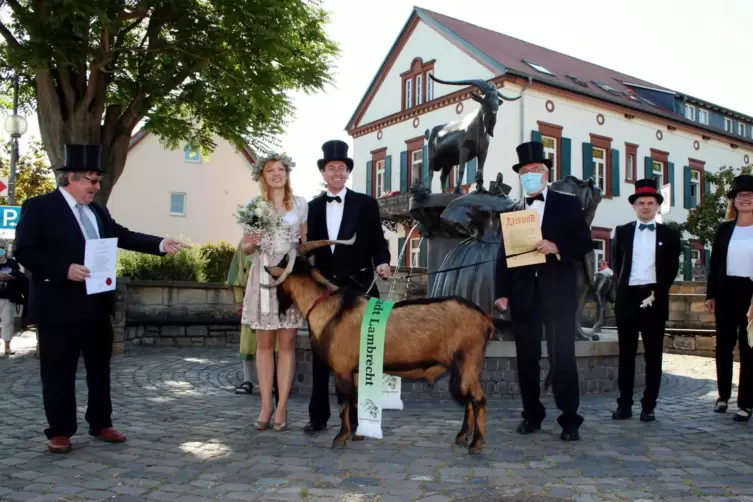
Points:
point(542, 298)
point(12, 285)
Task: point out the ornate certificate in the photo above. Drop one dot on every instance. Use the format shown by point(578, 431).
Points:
point(521, 231)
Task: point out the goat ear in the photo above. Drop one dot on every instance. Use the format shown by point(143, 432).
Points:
point(590, 182)
point(274, 271)
point(476, 97)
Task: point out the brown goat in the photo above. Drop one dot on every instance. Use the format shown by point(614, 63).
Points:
point(424, 338)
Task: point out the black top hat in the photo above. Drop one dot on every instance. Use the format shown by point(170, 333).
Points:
point(82, 158)
point(646, 188)
point(530, 153)
point(335, 150)
point(741, 183)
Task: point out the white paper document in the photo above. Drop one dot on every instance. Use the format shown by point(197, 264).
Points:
point(100, 258)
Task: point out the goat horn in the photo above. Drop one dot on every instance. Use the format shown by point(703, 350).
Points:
point(483, 85)
point(307, 247)
point(285, 273)
point(530, 81)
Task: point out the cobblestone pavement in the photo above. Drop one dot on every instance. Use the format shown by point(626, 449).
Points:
point(191, 439)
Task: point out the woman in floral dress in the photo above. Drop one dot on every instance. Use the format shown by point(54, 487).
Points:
point(260, 308)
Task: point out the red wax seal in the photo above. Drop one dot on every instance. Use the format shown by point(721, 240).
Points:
point(108, 281)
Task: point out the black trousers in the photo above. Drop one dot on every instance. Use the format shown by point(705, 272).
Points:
point(59, 349)
point(650, 322)
point(731, 328)
point(559, 328)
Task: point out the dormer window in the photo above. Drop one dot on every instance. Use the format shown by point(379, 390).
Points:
point(578, 81)
point(538, 68)
point(418, 88)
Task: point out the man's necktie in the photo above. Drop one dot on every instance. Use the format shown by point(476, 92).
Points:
point(644, 226)
point(335, 198)
point(89, 231)
point(529, 200)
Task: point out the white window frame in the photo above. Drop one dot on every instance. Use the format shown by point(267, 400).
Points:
point(551, 153)
point(600, 169)
point(177, 213)
point(695, 257)
point(416, 165)
point(379, 178)
point(415, 252)
point(690, 112)
point(419, 89)
point(657, 164)
point(728, 124)
point(741, 128)
point(630, 167)
point(409, 93)
point(703, 116)
point(429, 86)
point(599, 254)
point(695, 179)
point(188, 151)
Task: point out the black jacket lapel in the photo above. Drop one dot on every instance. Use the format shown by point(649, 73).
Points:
point(68, 216)
point(351, 209)
point(99, 215)
point(659, 257)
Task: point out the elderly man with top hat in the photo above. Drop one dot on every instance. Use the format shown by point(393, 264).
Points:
point(645, 260)
point(50, 243)
point(542, 298)
point(338, 215)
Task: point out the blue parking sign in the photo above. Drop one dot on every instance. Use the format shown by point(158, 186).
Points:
point(9, 216)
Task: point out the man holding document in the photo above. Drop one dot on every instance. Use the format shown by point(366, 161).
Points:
point(69, 244)
point(536, 280)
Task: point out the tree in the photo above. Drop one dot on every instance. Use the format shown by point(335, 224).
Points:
point(33, 173)
point(703, 221)
point(187, 69)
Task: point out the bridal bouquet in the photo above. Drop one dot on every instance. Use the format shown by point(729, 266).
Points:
point(258, 216)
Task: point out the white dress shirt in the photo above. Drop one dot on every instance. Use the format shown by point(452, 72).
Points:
point(335, 215)
point(88, 213)
point(643, 270)
point(740, 252)
point(539, 205)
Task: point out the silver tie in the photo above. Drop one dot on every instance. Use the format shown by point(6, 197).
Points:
point(89, 231)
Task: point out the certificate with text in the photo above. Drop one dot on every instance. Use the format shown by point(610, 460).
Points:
point(521, 231)
point(100, 257)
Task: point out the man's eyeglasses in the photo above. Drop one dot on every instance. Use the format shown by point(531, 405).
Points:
point(93, 181)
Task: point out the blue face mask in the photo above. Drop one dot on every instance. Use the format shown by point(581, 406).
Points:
point(532, 182)
point(2, 253)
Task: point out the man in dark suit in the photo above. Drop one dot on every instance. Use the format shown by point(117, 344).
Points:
point(337, 215)
point(542, 297)
point(645, 260)
point(50, 243)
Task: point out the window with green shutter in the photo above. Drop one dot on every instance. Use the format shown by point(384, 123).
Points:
point(588, 161)
point(615, 174)
point(370, 178)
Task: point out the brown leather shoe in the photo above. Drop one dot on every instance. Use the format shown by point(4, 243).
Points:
point(59, 444)
point(109, 435)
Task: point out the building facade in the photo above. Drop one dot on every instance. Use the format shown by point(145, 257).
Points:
point(183, 193)
point(594, 122)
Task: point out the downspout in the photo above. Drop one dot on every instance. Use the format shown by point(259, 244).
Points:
point(523, 110)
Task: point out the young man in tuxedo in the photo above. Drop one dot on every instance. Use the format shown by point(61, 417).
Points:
point(337, 215)
point(542, 298)
point(50, 243)
point(645, 260)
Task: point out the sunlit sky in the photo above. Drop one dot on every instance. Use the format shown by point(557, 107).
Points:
point(696, 47)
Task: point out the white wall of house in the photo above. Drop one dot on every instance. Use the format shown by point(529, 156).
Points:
point(163, 192)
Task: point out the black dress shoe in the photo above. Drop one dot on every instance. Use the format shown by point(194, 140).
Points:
point(648, 416)
point(622, 413)
point(743, 415)
point(570, 435)
point(527, 427)
point(313, 429)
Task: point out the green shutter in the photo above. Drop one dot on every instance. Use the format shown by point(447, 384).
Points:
point(536, 136)
point(422, 253)
point(565, 168)
point(370, 178)
point(687, 267)
point(470, 170)
point(706, 184)
point(388, 174)
point(616, 178)
point(404, 171)
point(706, 258)
point(648, 171)
point(686, 202)
point(425, 165)
point(588, 161)
point(671, 180)
point(400, 245)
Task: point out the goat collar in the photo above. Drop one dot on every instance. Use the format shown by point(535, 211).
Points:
point(326, 294)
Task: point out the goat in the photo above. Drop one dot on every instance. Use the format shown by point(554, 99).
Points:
point(457, 142)
point(424, 338)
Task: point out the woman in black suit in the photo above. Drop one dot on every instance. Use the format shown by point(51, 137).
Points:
point(729, 293)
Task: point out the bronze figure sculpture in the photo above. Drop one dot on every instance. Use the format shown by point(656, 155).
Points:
point(457, 142)
point(605, 291)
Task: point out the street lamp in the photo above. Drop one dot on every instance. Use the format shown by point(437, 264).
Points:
point(16, 126)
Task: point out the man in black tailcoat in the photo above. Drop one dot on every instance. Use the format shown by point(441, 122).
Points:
point(646, 259)
point(50, 243)
point(337, 215)
point(542, 298)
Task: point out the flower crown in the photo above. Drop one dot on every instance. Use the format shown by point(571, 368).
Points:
point(258, 166)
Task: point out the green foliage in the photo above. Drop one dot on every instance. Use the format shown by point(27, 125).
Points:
point(33, 173)
point(703, 221)
point(205, 263)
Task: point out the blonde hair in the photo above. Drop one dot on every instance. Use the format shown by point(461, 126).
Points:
point(287, 199)
point(731, 210)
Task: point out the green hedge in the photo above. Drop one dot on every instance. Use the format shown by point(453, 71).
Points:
point(204, 263)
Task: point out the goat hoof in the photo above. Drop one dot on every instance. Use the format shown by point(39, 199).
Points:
point(461, 440)
point(357, 437)
point(339, 444)
point(476, 450)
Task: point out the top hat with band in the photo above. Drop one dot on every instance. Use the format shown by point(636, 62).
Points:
point(335, 150)
point(82, 158)
point(531, 152)
point(646, 188)
point(741, 183)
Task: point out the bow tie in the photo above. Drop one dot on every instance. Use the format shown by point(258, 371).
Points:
point(529, 200)
point(644, 226)
point(335, 198)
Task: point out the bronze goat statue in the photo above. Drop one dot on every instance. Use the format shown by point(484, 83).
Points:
point(424, 338)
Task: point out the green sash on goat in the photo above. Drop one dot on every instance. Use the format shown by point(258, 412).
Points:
point(370, 367)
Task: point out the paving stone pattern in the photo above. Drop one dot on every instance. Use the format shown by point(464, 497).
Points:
point(192, 439)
